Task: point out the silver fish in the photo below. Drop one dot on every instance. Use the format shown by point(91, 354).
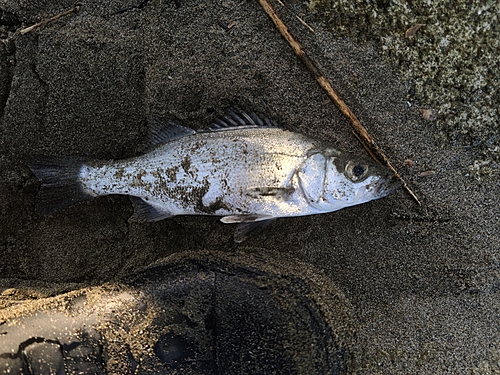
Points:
point(242, 167)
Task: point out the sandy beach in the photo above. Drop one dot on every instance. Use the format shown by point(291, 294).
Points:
point(421, 282)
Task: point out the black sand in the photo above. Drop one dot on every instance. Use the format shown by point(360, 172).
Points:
point(423, 281)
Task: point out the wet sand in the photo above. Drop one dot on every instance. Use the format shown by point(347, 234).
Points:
point(422, 280)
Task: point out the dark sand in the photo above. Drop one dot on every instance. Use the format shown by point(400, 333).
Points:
point(423, 281)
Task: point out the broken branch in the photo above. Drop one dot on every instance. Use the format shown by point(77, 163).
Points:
point(51, 19)
point(363, 135)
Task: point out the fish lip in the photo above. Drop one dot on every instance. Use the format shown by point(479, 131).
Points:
point(388, 185)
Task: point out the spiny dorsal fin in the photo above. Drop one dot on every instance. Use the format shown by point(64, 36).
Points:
point(164, 131)
point(239, 119)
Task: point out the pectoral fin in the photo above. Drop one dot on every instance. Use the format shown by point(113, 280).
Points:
point(279, 193)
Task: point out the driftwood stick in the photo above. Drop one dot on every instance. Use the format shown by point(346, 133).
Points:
point(51, 19)
point(362, 134)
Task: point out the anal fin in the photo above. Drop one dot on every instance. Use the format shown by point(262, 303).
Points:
point(143, 211)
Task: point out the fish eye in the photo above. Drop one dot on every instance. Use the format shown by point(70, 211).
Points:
point(356, 172)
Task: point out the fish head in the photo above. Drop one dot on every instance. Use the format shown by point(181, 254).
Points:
point(351, 180)
point(334, 180)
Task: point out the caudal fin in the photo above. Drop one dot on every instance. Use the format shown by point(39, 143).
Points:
point(61, 186)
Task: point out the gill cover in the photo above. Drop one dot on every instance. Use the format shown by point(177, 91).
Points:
point(312, 177)
point(329, 183)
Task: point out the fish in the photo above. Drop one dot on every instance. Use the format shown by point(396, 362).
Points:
point(242, 167)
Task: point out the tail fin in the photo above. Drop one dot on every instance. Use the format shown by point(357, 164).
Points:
point(61, 185)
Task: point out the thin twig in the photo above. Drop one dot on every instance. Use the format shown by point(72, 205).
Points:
point(300, 19)
point(365, 146)
point(305, 24)
point(366, 139)
point(51, 19)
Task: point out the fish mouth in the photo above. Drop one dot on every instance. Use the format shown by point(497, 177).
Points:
point(388, 185)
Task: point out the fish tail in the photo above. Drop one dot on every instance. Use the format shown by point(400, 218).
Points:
point(61, 183)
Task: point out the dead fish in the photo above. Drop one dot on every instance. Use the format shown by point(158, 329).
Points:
point(242, 167)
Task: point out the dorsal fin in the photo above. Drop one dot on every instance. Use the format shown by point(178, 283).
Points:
point(163, 131)
point(238, 119)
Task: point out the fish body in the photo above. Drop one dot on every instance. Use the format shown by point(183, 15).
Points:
point(242, 167)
